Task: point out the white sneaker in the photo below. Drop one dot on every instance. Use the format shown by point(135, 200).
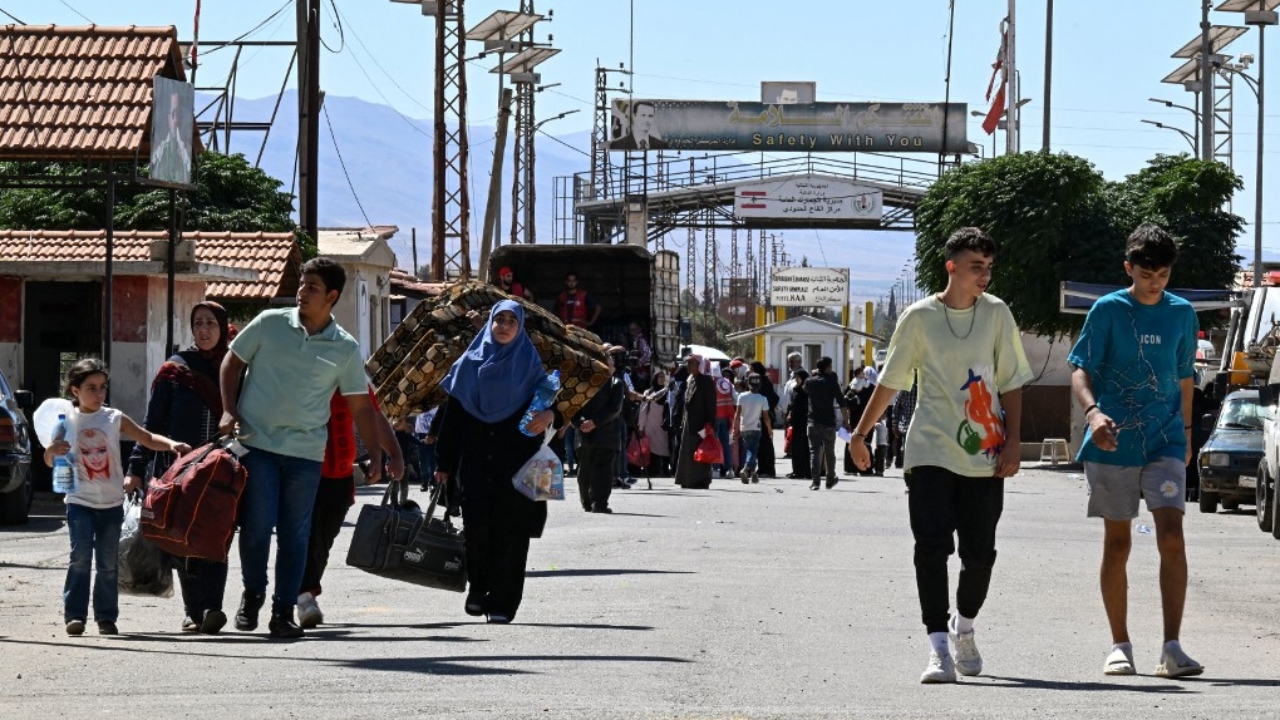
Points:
point(1175, 663)
point(1120, 661)
point(941, 669)
point(309, 614)
point(968, 659)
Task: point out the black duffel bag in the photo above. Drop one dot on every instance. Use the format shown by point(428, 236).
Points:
point(396, 540)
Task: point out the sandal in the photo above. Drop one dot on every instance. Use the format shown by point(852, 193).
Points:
point(1119, 662)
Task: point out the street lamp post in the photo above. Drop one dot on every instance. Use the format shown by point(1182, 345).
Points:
point(1257, 88)
point(1194, 113)
point(1186, 135)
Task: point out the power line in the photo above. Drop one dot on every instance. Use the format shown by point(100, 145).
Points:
point(344, 168)
point(342, 36)
point(372, 57)
point(82, 15)
point(11, 17)
point(553, 137)
point(250, 31)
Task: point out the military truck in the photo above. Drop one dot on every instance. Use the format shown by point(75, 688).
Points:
point(627, 281)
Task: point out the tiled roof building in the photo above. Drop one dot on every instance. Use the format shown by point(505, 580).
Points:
point(274, 255)
point(81, 92)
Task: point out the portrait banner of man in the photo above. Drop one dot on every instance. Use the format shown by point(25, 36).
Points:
point(635, 126)
point(172, 124)
point(774, 92)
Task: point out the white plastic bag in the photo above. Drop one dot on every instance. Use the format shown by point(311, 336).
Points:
point(542, 476)
point(143, 569)
point(46, 417)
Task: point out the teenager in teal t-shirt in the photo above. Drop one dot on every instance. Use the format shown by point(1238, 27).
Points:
point(1134, 376)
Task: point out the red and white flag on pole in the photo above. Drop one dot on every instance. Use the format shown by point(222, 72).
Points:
point(997, 110)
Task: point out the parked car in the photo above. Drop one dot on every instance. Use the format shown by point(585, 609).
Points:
point(1229, 460)
point(16, 489)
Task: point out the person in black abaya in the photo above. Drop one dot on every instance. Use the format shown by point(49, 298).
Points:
point(766, 455)
point(482, 447)
point(798, 426)
point(699, 411)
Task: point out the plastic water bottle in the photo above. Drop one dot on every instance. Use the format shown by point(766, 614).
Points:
point(64, 480)
point(542, 399)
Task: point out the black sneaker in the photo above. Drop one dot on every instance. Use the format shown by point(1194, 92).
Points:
point(75, 626)
point(247, 615)
point(602, 510)
point(213, 622)
point(107, 628)
point(189, 625)
point(815, 486)
point(283, 626)
point(832, 483)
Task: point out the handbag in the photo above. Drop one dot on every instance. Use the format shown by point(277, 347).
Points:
point(542, 476)
point(709, 451)
point(397, 540)
point(191, 511)
point(786, 444)
point(638, 451)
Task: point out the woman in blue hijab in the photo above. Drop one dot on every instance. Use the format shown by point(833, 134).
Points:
point(481, 448)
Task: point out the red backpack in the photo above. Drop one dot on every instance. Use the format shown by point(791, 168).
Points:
point(191, 511)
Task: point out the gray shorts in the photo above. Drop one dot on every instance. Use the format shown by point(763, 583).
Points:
point(1114, 489)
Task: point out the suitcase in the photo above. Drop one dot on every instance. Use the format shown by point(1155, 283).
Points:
point(191, 511)
point(398, 541)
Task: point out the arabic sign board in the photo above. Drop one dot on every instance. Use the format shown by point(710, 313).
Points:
point(809, 287)
point(773, 127)
point(808, 198)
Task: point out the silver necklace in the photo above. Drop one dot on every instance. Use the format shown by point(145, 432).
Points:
point(947, 314)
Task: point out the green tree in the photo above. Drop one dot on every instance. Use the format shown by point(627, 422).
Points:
point(1054, 218)
point(230, 195)
point(1187, 197)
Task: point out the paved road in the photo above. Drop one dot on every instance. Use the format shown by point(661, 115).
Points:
point(763, 601)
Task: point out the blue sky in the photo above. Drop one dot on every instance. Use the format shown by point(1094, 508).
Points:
point(1109, 58)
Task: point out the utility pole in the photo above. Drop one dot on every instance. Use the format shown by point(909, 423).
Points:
point(308, 18)
point(1048, 73)
point(1206, 85)
point(489, 236)
point(1011, 67)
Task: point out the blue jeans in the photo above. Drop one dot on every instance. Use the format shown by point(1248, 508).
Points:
point(750, 446)
point(722, 434)
point(570, 454)
point(280, 495)
point(95, 538)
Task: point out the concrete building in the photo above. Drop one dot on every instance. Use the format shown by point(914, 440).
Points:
point(364, 310)
point(811, 337)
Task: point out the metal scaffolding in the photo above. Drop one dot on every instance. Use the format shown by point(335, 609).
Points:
point(523, 189)
point(450, 203)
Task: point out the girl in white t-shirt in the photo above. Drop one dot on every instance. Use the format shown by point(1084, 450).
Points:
point(94, 505)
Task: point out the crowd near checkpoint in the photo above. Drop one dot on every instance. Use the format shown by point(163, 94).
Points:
point(283, 415)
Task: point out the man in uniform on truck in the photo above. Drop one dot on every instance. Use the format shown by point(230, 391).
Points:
point(575, 306)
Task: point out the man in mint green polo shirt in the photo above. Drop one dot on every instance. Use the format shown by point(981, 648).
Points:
point(296, 358)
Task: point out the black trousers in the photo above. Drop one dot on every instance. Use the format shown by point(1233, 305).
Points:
point(595, 475)
point(334, 497)
point(203, 583)
point(878, 459)
point(766, 458)
point(496, 557)
point(944, 506)
point(799, 452)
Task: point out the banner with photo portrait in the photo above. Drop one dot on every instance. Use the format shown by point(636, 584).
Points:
point(172, 131)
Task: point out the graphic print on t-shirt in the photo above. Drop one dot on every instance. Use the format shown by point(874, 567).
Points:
point(95, 455)
point(981, 430)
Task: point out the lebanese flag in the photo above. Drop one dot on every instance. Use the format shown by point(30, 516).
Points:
point(992, 120)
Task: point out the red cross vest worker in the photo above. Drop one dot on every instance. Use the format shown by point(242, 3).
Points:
point(575, 306)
